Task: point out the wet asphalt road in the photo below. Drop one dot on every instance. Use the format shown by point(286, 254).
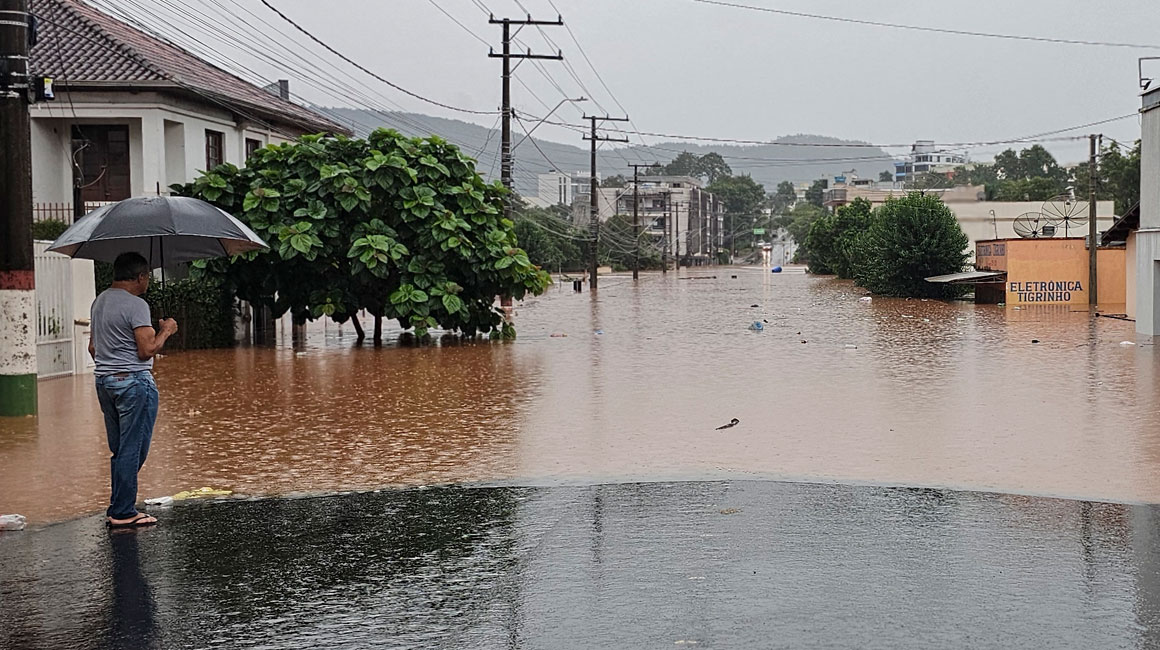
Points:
point(734, 564)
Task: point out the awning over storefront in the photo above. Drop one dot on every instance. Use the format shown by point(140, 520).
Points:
point(968, 277)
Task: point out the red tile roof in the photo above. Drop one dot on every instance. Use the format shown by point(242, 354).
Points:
point(82, 47)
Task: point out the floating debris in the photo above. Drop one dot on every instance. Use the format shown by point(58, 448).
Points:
point(13, 522)
point(201, 492)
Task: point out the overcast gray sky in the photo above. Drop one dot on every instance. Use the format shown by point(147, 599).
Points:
point(682, 67)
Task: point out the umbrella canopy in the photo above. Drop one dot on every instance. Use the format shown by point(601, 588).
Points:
point(166, 230)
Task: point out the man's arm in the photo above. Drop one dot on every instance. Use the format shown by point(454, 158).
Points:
point(150, 341)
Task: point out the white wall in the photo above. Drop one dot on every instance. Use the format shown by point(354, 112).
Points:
point(83, 294)
point(51, 151)
point(975, 218)
point(175, 154)
point(1148, 236)
point(166, 139)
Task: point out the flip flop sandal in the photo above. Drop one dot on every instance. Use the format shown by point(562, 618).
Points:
point(135, 522)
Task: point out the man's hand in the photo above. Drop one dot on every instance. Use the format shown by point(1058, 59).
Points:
point(149, 341)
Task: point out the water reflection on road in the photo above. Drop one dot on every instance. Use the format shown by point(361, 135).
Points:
point(727, 564)
point(933, 394)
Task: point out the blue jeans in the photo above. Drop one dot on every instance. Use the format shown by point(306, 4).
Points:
point(129, 402)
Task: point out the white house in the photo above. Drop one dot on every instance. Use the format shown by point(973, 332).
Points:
point(132, 115)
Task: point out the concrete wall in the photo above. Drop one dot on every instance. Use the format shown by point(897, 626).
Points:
point(975, 218)
point(1060, 263)
point(83, 294)
point(51, 161)
point(1055, 272)
point(1130, 276)
point(1111, 280)
point(1148, 236)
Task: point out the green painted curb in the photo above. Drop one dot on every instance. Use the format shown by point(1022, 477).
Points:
point(17, 395)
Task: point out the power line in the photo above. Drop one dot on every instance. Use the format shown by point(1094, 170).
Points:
point(369, 72)
point(862, 145)
point(222, 31)
point(193, 89)
point(937, 30)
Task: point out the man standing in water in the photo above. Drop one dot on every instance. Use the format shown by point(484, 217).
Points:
point(123, 344)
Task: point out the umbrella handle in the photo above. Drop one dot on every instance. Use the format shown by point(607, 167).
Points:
point(161, 303)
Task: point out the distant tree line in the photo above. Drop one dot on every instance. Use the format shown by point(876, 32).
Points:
point(1033, 174)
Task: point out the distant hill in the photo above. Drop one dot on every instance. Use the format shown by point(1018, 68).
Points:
point(796, 158)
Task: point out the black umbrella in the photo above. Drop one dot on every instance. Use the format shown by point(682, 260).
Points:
point(163, 229)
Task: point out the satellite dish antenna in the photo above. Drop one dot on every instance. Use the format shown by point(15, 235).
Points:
point(1063, 210)
point(1030, 225)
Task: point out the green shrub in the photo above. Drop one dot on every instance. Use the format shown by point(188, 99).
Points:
point(850, 222)
point(832, 240)
point(203, 309)
point(820, 245)
point(48, 229)
point(910, 239)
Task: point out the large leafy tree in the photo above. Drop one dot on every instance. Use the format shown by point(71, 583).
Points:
point(550, 239)
point(784, 197)
point(685, 164)
point(743, 198)
point(909, 239)
point(1117, 177)
point(709, 167)
point(401, 227)
point(1029, 175)
point(817, 192)
point(712, 166)
point(800, 219)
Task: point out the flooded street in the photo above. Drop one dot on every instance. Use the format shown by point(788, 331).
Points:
point(934, 394)
point(726, 564)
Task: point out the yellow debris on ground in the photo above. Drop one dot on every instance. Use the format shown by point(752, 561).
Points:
point(200, 492)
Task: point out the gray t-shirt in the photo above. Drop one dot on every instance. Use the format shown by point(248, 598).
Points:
point(115, 314)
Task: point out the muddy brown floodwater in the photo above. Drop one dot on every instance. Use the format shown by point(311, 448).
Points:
point(934, 394)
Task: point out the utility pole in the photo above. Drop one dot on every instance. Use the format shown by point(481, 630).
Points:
point(677, 235)
point(17, 268)
point(671, 228)
point(636, 216)
point(594, 224)
point(505, 147)
point(1093, 277)
point(665, 239)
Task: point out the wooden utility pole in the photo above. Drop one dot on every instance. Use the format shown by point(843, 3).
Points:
point(17, 266)
point(505, 147)
point(594, 223)
point(1093, 230)
point(636, 215)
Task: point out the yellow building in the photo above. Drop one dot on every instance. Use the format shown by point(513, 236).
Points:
point(1051, 271)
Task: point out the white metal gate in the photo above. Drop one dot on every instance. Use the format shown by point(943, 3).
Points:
point(54, 317)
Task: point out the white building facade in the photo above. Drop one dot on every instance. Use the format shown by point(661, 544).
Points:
point(1147, 238)
point(134, 115)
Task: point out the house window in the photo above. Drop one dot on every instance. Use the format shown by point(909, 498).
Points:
point(214, 149)
point(252, 145)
